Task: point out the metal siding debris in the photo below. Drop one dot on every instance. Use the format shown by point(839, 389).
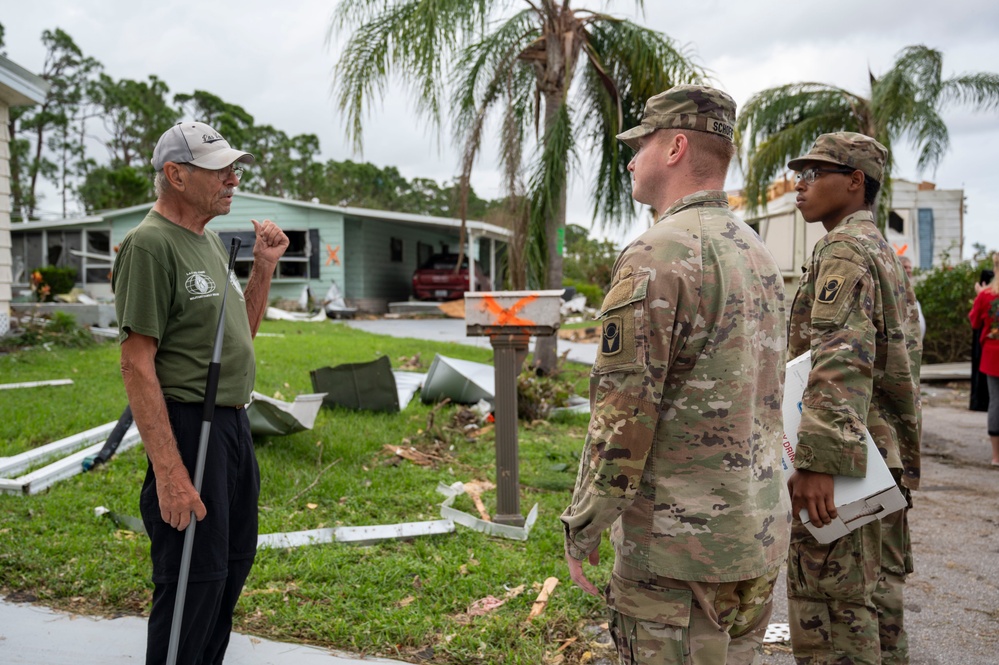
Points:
point(69, 466)
point(576, 404)
point(270, 416)
point(275, 314)
point(461, 381)
point(18, 463)
point(481, 525)
point(36, 384)
point(334, 304)
point(355, 535)
point(371, 386)
point(407, 383)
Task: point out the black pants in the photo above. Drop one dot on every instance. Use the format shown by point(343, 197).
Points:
point(225, 540)
point(979, 382)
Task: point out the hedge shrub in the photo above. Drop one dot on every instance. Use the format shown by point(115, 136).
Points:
point(945, 294)
point(58, 280)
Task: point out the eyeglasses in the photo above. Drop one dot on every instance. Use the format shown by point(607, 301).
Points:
point(232, 169)
point(810, 174)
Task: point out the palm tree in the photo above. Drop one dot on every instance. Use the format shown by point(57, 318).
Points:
point(781, 123)
point(486, 55)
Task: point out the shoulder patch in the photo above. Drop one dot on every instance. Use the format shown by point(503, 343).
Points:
point(836, 291)
point(610, 342)
point(830, 289)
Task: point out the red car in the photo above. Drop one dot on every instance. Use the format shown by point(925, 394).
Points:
point(436, 279)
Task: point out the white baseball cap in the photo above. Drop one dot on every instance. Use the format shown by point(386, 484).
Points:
point(198, 144)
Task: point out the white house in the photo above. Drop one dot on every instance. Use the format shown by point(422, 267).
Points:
point(18, 87)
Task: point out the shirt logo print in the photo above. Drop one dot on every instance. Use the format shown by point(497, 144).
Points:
point(199, 284)
point(610, 344)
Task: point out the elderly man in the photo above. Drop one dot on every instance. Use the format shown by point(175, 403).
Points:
point(682, 457)
point(856, 312)
point(168, 279)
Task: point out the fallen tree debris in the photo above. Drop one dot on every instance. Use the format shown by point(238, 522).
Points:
point(413, 455)
point(542, 600)
point(474, 490)
point(315, 480)
point(485, 605)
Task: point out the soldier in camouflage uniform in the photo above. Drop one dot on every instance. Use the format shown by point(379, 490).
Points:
point(856, 312)
point(682, 457)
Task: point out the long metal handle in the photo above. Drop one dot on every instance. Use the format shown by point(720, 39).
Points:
point(211, 390)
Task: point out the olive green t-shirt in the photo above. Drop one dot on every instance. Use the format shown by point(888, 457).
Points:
point(168, 284)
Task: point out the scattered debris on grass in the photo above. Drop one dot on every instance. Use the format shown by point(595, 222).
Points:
point(474, 490)
point(410, 363)
point(270, 416)
point(410, 453)
point(484, 606)
point(355, 535)
point(477, 523)
point(542, 600)
point(370, 386)
point(71, 465)
point(36, 384)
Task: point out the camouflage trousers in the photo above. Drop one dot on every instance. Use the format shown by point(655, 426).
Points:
point(845, 597)
point(662, 621)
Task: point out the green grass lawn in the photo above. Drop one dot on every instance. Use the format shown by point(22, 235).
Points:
point(396, 599)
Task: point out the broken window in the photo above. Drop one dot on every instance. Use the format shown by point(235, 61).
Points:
point(896, 222)
point(294, 264)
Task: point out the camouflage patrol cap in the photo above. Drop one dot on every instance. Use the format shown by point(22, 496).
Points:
point(696, 107)
point(855, 151)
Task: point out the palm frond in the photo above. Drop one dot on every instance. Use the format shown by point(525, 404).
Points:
point(979, 90)
point(922, 66)
point(640, 63)
point(487, 73)
point(773, 110)
point(483, 70)
point(927, 134)
point(779, 124)
point(414, 38)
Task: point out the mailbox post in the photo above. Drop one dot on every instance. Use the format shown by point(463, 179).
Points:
point(509, 319)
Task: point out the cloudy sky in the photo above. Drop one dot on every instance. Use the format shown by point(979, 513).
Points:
point(274, 59)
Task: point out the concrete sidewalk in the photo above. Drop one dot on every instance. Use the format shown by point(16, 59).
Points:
point(30, 634)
